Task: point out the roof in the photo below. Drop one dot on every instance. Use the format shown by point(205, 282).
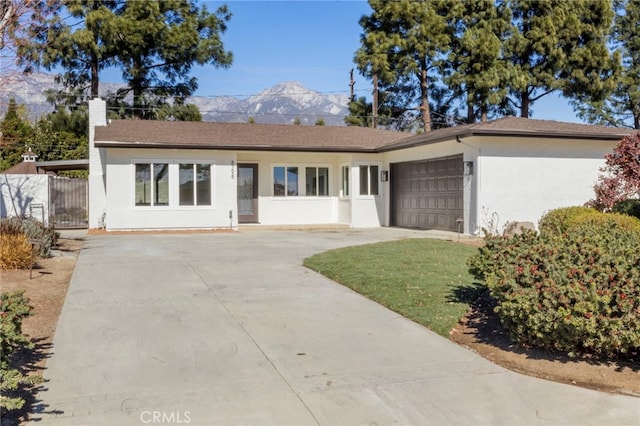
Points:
point(281, 137)
point(242, 136)
point(22, 168)
point(58, 165)
point(514, 126)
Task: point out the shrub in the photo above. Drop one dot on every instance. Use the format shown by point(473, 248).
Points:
point(35, 231)
point(566, 220)
point(576, 292)
point(559, 221)
point(14, 308)
point(628, 207)
point(15, 250)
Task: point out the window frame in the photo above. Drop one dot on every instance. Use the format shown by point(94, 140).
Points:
point(153, 192)
point(173, 183)
point(345, 184)
point(195, 164)
point(370, 178)
point(302, 180)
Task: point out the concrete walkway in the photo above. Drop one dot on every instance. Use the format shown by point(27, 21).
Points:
point(225, 329)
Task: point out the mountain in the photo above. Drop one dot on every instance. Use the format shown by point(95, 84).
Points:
point(282, 103)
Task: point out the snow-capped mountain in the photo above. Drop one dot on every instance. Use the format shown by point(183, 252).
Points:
point(282, 103)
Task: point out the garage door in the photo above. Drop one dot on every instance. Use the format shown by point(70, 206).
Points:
point(427, 194)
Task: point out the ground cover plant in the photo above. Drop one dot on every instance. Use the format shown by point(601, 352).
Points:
point(14, 308)
point(573, 287)
point(425, 280)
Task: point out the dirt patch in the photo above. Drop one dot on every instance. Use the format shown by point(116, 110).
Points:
point(482, 332)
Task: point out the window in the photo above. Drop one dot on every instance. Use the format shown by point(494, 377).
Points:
point(285, 181)
point(368, 180)
point(195, 184)
point(345, 181)
point(317, 181)
point(152, 184)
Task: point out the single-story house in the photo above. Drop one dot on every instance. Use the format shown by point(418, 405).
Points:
point(180, 175)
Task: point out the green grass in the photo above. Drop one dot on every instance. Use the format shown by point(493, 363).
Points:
point(425, 280)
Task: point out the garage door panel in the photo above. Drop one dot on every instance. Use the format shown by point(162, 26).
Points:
point(428, 193)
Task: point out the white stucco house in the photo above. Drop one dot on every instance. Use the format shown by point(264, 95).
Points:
point(191, 175)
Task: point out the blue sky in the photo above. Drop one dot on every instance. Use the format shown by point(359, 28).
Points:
point(312, 42)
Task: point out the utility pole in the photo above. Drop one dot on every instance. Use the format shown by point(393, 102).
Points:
point(352, 83)
point(374, 104)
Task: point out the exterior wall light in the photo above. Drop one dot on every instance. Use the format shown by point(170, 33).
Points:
point(384, 175)
point(468, 168)
point(233, 169)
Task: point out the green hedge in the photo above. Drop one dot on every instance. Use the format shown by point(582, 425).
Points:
point(576, 291)
point(628, 207)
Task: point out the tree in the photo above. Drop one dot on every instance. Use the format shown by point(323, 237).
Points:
point(15, 135)
point(161, 41)
point(403, 44)
point(155, 44)
point(476, 69)
point(622, 107)
point(620, 178)
point(178, 112)
point(51, 40)
point(62, 135)
point(12, 16)
point(559, 45)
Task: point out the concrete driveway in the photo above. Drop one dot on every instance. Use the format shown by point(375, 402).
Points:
point(224, 329)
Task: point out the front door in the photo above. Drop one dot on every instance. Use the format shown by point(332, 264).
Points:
point(247, 193)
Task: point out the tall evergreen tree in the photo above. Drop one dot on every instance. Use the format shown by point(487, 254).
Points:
point(158, 44)
point(15, 134)
point(622, 107)
point(560, 46)
point(154, 43)
point(476, 68)
point(402, 44)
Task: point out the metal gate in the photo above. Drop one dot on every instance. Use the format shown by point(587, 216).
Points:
point(68, 202)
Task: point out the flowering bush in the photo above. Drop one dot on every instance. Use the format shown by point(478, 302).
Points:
point(577, 291)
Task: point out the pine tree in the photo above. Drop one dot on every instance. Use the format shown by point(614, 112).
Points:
point(15, 134)
point(476, 68)
point(154, 43)
point(622, 107)
point(561, 46)
point(403, 44)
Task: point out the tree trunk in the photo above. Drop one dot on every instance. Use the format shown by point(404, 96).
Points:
point(471, 116)
point(524, 104)
point(374, 103)
point(483, 112)
point(424, 95)
point(95, 81)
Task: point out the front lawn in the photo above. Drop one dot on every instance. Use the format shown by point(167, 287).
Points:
point(425, 280)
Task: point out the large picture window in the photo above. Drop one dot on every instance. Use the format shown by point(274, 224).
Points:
point(369, 180)
point(195, 184)
point(317, 181)
point(285, 181)
point(152, 184)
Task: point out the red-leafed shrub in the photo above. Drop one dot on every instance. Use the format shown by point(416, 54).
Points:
point(620, 178)
point(577, 291)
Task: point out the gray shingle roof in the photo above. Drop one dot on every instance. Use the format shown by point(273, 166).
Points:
point(278, 137)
